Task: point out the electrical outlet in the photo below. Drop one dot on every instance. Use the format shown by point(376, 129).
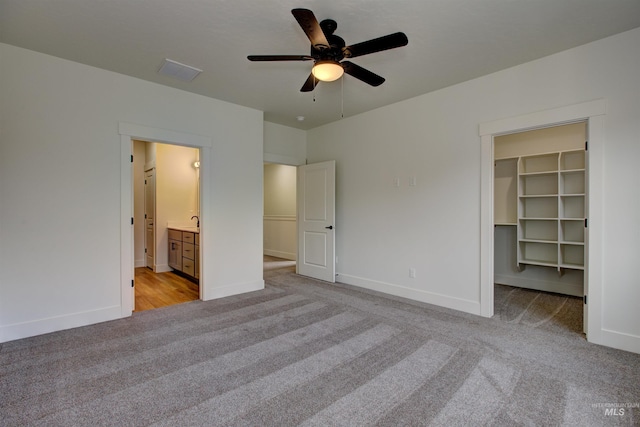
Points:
point(412, 273)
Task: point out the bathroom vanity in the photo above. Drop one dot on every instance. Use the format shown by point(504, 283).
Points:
point(184, 251)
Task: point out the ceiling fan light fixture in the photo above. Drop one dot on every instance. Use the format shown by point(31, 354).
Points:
point(327, 71)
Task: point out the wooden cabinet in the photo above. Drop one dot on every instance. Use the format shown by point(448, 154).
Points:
point(175, 249)
point(184, 252)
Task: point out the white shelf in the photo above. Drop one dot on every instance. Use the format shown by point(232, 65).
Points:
point(544, 173)
point(551, 210)
point(572, 266)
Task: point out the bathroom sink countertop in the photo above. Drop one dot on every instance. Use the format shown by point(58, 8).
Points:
point(189, 229)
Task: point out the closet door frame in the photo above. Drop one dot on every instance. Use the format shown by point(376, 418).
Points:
point(593, 113)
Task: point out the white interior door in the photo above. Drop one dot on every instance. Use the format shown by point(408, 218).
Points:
point(316, 220)
point(149, 217)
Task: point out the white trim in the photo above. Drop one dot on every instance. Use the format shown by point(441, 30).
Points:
point(129, 132)
point(592, 112)
point(486, 227)
point(279, 218)
point(620, 340)
point(145, 133)
point(594, 241)
point(545, 118)
point(282, 160)
point(206, 241)
point(446, 301)
point(127, 250)
point(58, 323)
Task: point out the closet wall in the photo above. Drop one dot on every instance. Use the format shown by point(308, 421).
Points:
point(532, 216)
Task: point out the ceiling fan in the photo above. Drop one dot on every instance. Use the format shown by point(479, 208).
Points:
point(328, 50)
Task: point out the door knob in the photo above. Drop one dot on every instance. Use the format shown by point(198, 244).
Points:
point(329, 227)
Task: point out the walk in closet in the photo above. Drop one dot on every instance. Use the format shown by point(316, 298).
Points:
point(539, 209)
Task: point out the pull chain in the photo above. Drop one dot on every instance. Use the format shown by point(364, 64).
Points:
point(342, 98)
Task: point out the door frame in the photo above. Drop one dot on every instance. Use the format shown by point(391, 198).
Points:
point(128, 132)
point(593, 113)
point(146, 234)
point(292, 161)
point(279, 159)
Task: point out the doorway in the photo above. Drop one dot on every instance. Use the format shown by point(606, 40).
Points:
point(128, 133)
point(168, 205)
point(540, 234)
point(593, 113)
point(279, 215)
point(299, 212)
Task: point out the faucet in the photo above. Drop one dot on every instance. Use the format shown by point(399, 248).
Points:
point(198, 218)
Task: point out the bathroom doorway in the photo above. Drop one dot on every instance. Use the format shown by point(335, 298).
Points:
point(166, 187)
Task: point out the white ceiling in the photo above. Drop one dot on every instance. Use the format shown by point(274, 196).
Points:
point(450, 41)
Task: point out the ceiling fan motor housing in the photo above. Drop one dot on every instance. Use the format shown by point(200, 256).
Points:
point(333, 53)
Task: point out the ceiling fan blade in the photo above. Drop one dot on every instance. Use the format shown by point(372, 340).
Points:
point(311, 28)
point(362, 73)
point(376, 45)
point(310, 84)
point(279, 58)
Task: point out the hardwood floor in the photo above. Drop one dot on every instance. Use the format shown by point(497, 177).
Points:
point(154, 290)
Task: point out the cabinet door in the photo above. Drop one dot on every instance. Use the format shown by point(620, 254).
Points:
point(175, 254)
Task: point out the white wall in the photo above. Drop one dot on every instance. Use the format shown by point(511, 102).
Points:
point(383, 230)
point(60, 188)
point(280, 230)
point(284, 145)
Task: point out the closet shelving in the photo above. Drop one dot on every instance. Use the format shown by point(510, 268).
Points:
point(551, 210)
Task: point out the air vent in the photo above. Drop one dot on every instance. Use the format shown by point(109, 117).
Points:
point(179, 71)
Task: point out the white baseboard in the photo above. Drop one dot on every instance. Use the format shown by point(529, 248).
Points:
point(58, 323)
point(280, 254)
point(233, 289)
point(540, 285)
point(468, 306)
point(140, 263)
point(620, 340)
point(162, 268)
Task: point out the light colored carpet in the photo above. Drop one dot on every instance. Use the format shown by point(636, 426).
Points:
point(303, 352)
point(561, 314)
